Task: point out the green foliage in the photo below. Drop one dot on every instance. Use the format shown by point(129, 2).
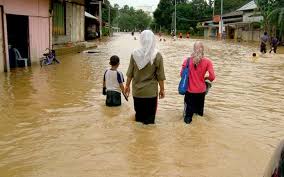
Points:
point(179, 1)
point(105, 11)
point(130, 19)
point(105, 31)
point(126, 18)
point(163, 14)
point(188, 15)
point(273, 14)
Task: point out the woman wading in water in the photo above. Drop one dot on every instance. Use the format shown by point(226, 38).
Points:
point(195, 95)
point(146, 71)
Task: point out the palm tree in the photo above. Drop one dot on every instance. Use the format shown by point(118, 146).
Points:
point(273, 15)
point(276, 18)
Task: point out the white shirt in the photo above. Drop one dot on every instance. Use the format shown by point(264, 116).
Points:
point(112, 79)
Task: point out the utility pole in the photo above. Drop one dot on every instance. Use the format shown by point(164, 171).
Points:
point(175, 17)
point(221, 18)
point(100, 17)
point(213, 8)
point(109, 23)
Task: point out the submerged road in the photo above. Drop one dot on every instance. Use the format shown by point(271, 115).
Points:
point(54, 123)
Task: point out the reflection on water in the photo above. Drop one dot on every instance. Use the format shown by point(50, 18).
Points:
point(54, 123)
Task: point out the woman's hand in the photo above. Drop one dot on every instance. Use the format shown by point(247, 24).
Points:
point(162, 94)
point(127, 91)
point(127, 87)
point(162, 90)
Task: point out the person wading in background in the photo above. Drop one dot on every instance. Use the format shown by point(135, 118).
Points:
point(274, 44)
point(264, 40)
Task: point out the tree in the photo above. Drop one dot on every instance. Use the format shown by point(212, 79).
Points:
point(116, 6)
point(189, 13)
point(276, 18)
point(142, 20)
point(130, 19)
point(211, 3)
point(273, 15)
point(179, 1)
point(163, 14)
point(105, 11)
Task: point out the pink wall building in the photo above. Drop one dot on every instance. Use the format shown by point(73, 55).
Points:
point(26, 26)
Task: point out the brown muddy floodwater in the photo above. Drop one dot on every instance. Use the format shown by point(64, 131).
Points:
point(53, 121)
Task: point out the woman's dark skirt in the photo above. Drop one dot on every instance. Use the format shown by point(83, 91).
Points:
point(194, 103)
point(145, 109)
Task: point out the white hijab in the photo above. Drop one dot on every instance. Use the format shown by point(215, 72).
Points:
point(147, 53)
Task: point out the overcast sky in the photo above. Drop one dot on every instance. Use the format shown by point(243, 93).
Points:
point(135, 3)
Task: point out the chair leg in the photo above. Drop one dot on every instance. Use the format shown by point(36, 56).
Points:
point(26, 63)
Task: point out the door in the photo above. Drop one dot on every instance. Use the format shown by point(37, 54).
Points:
point(39, 37)
point(18, 38)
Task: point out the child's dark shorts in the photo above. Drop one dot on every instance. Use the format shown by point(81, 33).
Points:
point(113, 98)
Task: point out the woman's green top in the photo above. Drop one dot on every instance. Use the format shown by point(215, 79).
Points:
point(145, 81)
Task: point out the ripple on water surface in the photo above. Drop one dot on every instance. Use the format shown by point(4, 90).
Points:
point(54, 123)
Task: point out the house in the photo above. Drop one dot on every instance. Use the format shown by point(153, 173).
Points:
point(249, 28)
point(29, 27)
point(24, 27)
point(242, 24)
point(211, 28)
point(92, 20)
point(68, 21)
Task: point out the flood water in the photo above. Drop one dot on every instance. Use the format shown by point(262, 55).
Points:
point(54, 123)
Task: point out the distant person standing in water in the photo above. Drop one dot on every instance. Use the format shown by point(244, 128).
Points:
point(274, 43)
point(146, 71)
point(187, 35)
point(195, 95)
point(173, 34)
point(263, 42)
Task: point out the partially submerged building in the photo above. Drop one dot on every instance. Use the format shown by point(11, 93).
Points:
point(242, 24)
point(24, 31)
point(29, 27)
point(68, 21)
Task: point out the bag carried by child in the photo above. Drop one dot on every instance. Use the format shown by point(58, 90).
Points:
point(184, 82)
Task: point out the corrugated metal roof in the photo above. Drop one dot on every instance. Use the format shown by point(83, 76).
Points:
point(90, 16)
point(249, 6)
point(234, 13)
